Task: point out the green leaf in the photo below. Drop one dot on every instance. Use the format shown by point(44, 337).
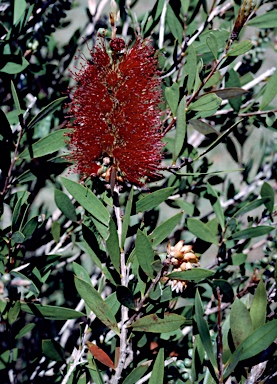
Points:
point(5, 128)
point(113, 246)
point(268, 191)
point(163, 230)
point(157, 375)
point(229, 93)
point(252, 205)
point(144, 253)
point(26, 329)
point(195, 274)
point(203, 127)
point(215, 202)
point(212, 44)
point(13, 68)
point(53, 350)
point(240, 322)
point(96, 304)
point(218, 140)
point(270, 91)
point(206, 105)
point(19, 10)
point(190, 68)
point(113, 303)
point(15, 99)
point(256, 342)
point(136, 374)
point(18, 237)
point(153, 199)
point(181, 129)
point(240, 48)
point(47, 145)
point(258, 306)
point(233, 81)
point(203, 329)
point(172, 95)
point(65, 205)
point(14, 312)
point(88, 200)
point(125, 297)
point(30, 227)
point(249, 233)
point(158, 323)
point(201, 230)
point(267, 20)
point(51, 312)
point(174, 24)
point(81, 273)
point(126, 218)
point(46, 111)
point(56, 231)
point(239, 258)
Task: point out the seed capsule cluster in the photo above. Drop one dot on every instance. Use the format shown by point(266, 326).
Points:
point(182, 258)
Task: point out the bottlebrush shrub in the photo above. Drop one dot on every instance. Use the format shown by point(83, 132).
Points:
point(115, 111)
point(162, 269)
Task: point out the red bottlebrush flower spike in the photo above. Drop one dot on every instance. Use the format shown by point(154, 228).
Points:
point(115, 111)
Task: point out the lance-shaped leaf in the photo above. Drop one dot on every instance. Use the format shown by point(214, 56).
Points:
point(240, 48)
point(256, 342)
point(214, 200)
point(206, 105)
point(96, 304)
point(248, 233)
point(201, 230)
point(51, 312)
point(268, 192)
point(250, 206)
point(195, 274)
point(153, 199)
point(48, 110)
point(157, 375)
point(100, 355)
point(88, 200)
point(240, 322)
point(45, 146)
point(159, 323)
point(113, 246)
point(267, 20)
point(258, 306)
point(172, 95)
point(65, 205)
point(163, 230)
point(212, 44)
point(144, 253)
point(203, 329)
point(270, 91)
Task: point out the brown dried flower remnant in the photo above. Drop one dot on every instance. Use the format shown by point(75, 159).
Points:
point(182, 258)
point(244, 12)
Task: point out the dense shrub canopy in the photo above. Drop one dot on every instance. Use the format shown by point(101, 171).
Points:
point(137, 191)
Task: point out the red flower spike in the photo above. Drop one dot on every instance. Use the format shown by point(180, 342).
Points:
point(115, 111)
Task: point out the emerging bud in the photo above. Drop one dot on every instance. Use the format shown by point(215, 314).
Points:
point(182, 257)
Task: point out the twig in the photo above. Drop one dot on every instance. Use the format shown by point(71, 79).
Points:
point(124, 282)
point(162, 25)
point(256, 373)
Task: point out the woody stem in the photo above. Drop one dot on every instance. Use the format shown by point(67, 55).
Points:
point(123, 351)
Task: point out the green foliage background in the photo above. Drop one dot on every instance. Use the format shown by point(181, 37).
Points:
point(61, 277)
